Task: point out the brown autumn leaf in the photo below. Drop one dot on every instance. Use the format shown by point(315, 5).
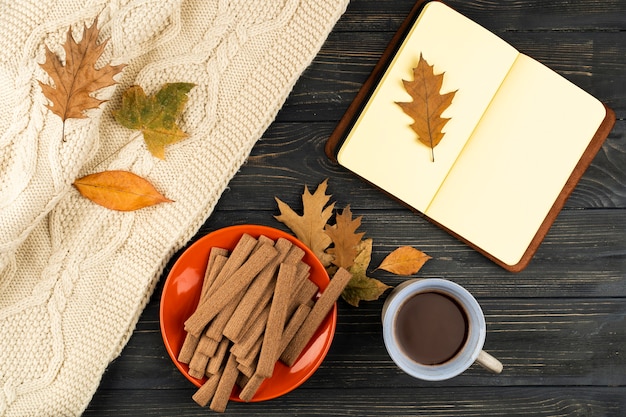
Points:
point(345, 239)
point(405, 261)
point(78, 79)
point(361, 287)
point(428, 104)
point(309, 227)
point(119, 190)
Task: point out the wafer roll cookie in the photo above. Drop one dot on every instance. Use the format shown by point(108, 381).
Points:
point(212, 269)
point(218, 299)
point(189, 347)
point(251, 387)
point(206, 345)
point(307, 291)
point(294, 256)
point(225, 386)
point(301, 283)
point(292, 328)
point(215, 329)
point(321, 308)
point(206, 392)
point(209, 340)
point(276, 320)
point(216, 268)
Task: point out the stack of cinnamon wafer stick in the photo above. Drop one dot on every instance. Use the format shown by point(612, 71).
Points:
point(257, 306)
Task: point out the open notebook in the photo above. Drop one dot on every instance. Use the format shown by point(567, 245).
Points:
point(518, 139)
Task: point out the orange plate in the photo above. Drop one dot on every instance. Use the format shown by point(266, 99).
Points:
point(181, 293)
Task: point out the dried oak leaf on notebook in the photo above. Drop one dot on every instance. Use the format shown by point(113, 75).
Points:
point(156, 116)
point(428, 104)
point(74, 83)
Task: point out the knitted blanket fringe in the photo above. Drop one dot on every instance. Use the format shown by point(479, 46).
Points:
point(74, 276)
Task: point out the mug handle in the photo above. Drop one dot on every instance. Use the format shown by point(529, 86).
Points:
point(489, 362)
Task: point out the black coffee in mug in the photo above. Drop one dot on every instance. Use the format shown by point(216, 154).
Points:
point(431, 327)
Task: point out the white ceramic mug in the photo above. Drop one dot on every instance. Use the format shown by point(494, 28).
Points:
point(470, 351)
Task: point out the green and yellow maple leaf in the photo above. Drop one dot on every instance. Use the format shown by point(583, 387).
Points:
point(155, 116)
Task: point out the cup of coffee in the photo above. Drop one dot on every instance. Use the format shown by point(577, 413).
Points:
point(434, 329)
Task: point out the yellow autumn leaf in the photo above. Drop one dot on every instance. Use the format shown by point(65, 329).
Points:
point(405, 261)
point(119, 190)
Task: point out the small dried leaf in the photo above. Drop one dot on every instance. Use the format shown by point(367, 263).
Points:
point(345, 238)
point(405, 261)
point(363, 257)
point(75, 81)
point(155, 116)
point(119, 190)
point(361, 287)
point(309, 227)
point(428, 104)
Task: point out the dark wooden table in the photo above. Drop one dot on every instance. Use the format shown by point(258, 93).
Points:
point(559, 327)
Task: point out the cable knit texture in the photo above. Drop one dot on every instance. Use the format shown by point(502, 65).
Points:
point(74, 277)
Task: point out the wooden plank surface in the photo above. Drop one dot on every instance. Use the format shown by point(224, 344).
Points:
point(559, 327)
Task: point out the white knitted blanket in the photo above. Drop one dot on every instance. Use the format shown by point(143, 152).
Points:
point(74, 276)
